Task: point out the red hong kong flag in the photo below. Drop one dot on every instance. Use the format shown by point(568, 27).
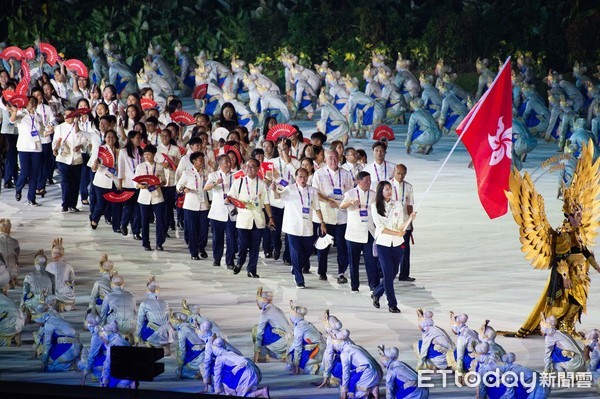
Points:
point(486, 131)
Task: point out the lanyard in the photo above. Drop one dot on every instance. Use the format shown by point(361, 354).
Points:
point(248, 188)
point(281, 170)
point(196, 173)
point(331, 178)
point(32, 123)
point(358, 195)
point(223, 182)
point(137, 158)
point(68, 134)
point(153, 170)
point(384, 170)
point(396, 191)
point(43, 115)
point(302, 199)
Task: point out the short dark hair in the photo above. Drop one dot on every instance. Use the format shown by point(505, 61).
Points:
point(153, 120)
point(196, 155)
point(379, 144)
point(362, 174)
point(195, 140)
point(150, 148)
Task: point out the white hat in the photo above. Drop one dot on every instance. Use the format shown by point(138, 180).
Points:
point(324, 242)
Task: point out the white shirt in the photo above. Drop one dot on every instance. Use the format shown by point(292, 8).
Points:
point(173, 152)
point(104, 176)
point(328, 183)
point(218, 209)
point(353, 168)
point(253, 193)
point(392, 220)
point(196, 199)
point(286, 172)
point(297, 151)
point(146, 196)
point(380, 172)
point(47, 117)
point(29, 127)
point(70, 138)
point(360, 218)
point(7, 126)
point(403, 193)
point(126, 167)
point(300, 206)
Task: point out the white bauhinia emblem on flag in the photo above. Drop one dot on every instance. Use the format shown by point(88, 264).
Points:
point(501, 143)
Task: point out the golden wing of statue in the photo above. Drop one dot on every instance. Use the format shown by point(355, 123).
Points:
point(584, 191)
point(527, 207)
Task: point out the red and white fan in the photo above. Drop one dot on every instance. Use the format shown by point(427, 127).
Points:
point(8, 94)
point(18, 101)
point(79, 112)
point(22, 87)
point(25, 72)
point(28, 54)
point(77, 67)
point(383, 132)
point(280, 130)
point(182, 150)
point(169, 160)
point(118, 197)
point(150, 180)
point(106, 157)
point(50, 52)
point(182, 117)
point(12, 52)
point(200, 91)
point(236, 202)
point(148, 103)
point(238, 155)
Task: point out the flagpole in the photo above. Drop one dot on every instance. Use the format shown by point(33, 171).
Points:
point(464, 130)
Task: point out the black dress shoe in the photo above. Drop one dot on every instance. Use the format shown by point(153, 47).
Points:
point(124, 230)
point(406, 279)
point(237, 269)
point(287, 262)
point(8, 185)
point(342, 279)
point(232, 267)
point(137, 237)
point(93, 224)
point(322, 277)
point(147, 248)
point(253, 275)
point(394, 309)
point(375, 301)
point(18, 196)
point(203, 254)
point(301, 285)
point(276, 254)
point(50, 181)
point(73, 210)
point(305, 271)
point(159, 248)
point(268, 255)
point(216, 264)
point(195, 257)
point(33, 203)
